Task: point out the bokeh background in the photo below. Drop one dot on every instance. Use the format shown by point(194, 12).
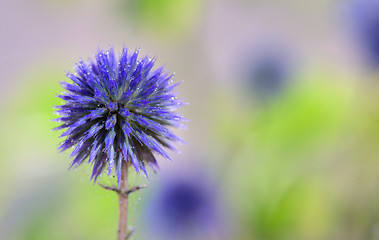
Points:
point(283, 137)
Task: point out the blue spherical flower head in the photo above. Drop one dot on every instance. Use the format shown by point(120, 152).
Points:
point(117, 112)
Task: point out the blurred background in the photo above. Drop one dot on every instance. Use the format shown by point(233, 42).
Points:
point(283, 136)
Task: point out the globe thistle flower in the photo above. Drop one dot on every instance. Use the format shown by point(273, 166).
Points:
point(118, 110)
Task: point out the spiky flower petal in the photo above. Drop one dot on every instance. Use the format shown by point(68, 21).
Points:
point(117, 111)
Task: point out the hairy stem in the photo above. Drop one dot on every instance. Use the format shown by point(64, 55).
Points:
point(122, 233)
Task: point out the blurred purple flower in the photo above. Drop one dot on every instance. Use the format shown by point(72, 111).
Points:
point(117, 111)
point(365, 16)
point(183, 208)
point(268, 72)
point(267, 75)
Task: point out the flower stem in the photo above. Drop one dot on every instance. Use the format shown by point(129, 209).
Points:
point(122, 233)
